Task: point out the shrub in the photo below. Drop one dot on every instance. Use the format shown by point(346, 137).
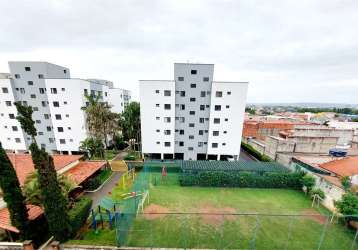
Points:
point(308, 181)
point(255, 153)
point(242, 179)
point(317, 191)
point(348, 206)
point(93, 183)
point(79, 213)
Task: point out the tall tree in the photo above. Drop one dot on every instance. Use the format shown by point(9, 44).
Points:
point(131, 122)
point(54, 203)
point(13, 197)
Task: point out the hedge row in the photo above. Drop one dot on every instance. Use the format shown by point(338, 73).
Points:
point(79, 213)
point(248, 148)
point(242, 179)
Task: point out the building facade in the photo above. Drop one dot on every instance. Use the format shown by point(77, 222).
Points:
point(56, 100)
point(192, 117)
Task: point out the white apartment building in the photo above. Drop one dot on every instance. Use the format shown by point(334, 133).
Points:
point(56, 100)
point(192, 117)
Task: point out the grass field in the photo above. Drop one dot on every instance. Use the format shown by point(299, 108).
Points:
point(192, 219)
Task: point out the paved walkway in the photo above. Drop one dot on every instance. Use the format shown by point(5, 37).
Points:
point(110, 184)
point(245, 156)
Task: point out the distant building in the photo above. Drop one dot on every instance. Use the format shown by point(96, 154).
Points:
point(56, 100)
point(192, 117)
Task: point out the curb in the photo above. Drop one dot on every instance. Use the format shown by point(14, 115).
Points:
point(93, 191)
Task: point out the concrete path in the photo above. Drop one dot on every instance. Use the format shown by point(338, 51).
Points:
point(244, 156)
point(110, 184)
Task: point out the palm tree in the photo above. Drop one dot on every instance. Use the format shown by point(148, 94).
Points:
point(32, 189)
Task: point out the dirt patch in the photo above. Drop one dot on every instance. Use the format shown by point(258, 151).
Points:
point(314, 215)
point(154, 211)
point(216, 216)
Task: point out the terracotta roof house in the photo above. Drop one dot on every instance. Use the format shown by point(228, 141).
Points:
point(70, 165)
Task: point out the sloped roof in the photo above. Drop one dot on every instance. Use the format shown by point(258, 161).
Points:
point(5, 222)
point(24, 166)
point(83, 170)
point(347, 166)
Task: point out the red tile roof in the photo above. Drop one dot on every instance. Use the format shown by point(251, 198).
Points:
point(347, 166)
point(5, 222)
point(24, 166)
point(83, 170)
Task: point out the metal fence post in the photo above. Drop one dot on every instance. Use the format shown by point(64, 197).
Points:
point(253, 240)
point(354, 240)
point(323, 233)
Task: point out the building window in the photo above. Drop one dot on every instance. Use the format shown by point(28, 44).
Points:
point(202, 107)
point(24, 103)
point(63, 89)
point(27, 69)
point(67, 115)
point(41, 76)
point(157, 91)
point(217, 107)
point(167, 93)
point(229, 92)
point(40, 133)
point(181, 132)
point(166, 132)
point(69, 128)
point(181, 119)
point(64, 71)
point(65, 103)
point(200, 144)
point(85, 91)
point(35, 108)
point(33, 96)
point(157, 105)
point(192, 99)
point(51, 140)
point(62, 141)
point(158, 142)
point(60, 129)
point(190, 148)
point(191, 125)
point(214, 145)
point(180, 78)
point(219, 94)
point(43, 103)
point(22, 90)
point(193, 71)
point(202, 94)
point(30, 83)
point(225, 132)
point(48, 128)
point(8, 103)
point(167, 106)
point(46, 116)
point(17, 76)
point(157, 118)
point(182, 93)
point(182, 107)
point(158, 130)
point(181, 144)
point(191, 112)
point(58, 117)
point(191, 137)
point(205, 79)
point(193, 85)
point(227, 106)
point(11, 116)
point(167, 119)
point(216, 120)
point(56, 104)
point(38, 121)
point(17, 140)
point(226, 119)
point(201, 120)
point(201, 132)
point(14, 128)
point(215, 133)
point(53, 91)
point(224, 144)
point(5, 90)
point(167, 144)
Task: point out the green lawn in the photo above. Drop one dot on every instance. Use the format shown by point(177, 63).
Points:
point(229, 231)
point(109, 155)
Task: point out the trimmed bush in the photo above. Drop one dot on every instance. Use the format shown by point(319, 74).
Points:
point(242, 179)
point(79, 214)
point(255, 153)
point(93, 183)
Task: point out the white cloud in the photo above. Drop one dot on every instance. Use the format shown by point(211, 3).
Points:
point(288, 50)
